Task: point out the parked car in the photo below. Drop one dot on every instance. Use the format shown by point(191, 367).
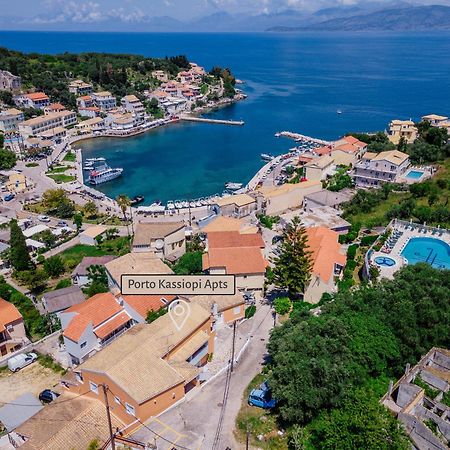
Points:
point(61, 223)
point(20, 361)
point(44, 218)
point(9, 197)
point(262, 397)
point(47, 396)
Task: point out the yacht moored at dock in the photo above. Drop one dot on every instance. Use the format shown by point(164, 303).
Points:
point(233, 186)
point(267, 157)
point(103, 175)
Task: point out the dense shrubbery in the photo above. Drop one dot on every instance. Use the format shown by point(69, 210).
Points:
point(365, 336)
point(119, 73)
point(189, 264)
point(36, 326)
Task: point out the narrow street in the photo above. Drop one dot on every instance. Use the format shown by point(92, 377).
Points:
point(193, 424)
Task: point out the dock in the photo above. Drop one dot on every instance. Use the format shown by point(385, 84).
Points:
point(217, 121)
point(302, 138)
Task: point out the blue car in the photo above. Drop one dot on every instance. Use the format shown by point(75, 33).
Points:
point(9, 197)
point(262, 397)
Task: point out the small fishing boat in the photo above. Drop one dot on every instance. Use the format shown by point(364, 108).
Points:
point(178, 204)
point(136, 200)
point(170, 204)
point(93, 160)
point(267, 157)
point(198, 203)
point(339, 111)
point(184, 204)
point(192, 204)
point(233, 186)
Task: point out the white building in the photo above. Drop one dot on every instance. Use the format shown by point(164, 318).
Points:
point(375, 169)
point(38, 125)
point(79, 87)
point(133, 105)
point(104, 100)
point(36, 100)
point(10, 119)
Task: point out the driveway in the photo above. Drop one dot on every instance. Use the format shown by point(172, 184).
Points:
point(193, 424)
point(33, 378)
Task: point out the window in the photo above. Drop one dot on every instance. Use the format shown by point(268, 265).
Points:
point(93, 387)
point(79, 377)
point(236, 310)
point(129, 409)
point(83, 344)
point(117, 399)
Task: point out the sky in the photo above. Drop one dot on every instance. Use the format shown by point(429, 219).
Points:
point(131, 11)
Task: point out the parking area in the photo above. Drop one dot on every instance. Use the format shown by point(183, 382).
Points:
point(33, 378)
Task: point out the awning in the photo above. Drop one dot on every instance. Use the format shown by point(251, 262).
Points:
point(114, 324)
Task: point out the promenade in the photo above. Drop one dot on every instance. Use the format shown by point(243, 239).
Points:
point(216, 121)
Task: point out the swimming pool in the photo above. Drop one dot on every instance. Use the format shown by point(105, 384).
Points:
point(384, 261)
point(429, 250)
point(414, 174)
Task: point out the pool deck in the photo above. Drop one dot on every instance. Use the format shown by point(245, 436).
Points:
point(409, 230)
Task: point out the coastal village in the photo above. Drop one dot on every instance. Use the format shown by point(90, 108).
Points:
point(116, 363)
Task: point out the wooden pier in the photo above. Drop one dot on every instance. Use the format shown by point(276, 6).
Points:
point(217, 121)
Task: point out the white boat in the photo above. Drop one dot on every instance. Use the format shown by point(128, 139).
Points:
point(192, 204)
point(204, 201)
point(338, 111)
point(93, 160)
point(178, 204)
point(184, 204)
point(233, 186)
point(104, 175)
point(198, 203)
point(267, 157)
point(170, 204)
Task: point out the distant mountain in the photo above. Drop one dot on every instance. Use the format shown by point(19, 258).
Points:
point(371, 15)
point(417, 18)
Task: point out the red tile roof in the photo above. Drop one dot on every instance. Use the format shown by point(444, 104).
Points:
point(322, 151)
point(8, 314)
point(114, 324)
point(225, 239)
point(37, 96)
point(243, 260)
point(142, 304)
point(326, 251)
point(94, 310)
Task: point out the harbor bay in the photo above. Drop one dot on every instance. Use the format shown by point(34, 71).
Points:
point(295, 82)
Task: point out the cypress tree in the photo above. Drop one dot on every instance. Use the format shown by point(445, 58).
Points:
point(19, 256)
point(293, 266)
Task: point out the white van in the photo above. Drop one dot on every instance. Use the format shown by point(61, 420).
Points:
point(20, 361)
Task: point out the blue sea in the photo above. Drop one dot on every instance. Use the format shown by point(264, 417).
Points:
point(294, 82)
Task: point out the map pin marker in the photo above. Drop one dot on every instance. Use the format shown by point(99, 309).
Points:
point(179, 311)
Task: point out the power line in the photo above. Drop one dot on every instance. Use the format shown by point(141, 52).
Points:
point(49, 404)
point(181, 447)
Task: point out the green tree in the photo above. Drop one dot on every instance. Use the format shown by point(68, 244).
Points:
point(78, 221)
point(90, 209)
point(124, 203)
point(36, 279)
point(7, 159)
point(293, 267)
point(361, 423)
point(54, 266)
point(282, 305)
point(47, 237)
point(189, 264)
point(19, 256)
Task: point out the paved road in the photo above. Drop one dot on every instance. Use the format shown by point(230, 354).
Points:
point(193, 423)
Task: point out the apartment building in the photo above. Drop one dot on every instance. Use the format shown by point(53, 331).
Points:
point(348, 151)
point(405, 129)
point(86, 101)
point(9, 82)
point(10, 119)
point(133, 105)
point(239, 205)
point(166, 239)
point(92, 324)
point(328, 262)
point(435, 120)
point(104, 100)
point(233, 253)
point(374, 169)
point(149, 368)
point(79, 87)
point(37, 100)
point(12, 329)
point(40, 124)
point(319, 168)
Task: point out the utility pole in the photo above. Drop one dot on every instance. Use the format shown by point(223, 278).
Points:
point(108, 415)
point(232, 349)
